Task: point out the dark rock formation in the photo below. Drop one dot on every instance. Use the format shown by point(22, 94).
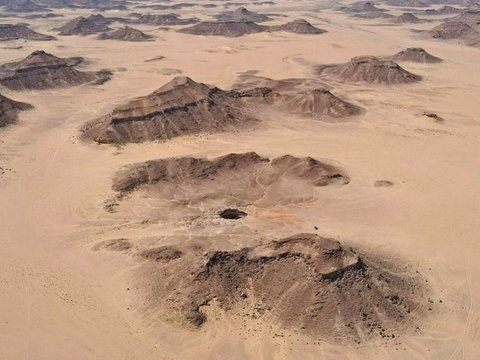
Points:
point(126, 33)
point(25, 7)
point(415, 55)
point(180, 107)
point(163, 20)
point(85, 25)
point(9, 110)
point(369, 69)
point(41, 70)
point(310, 284)
point(242, 15)
point(15, 32)
point(224, 28)
point(298, 27)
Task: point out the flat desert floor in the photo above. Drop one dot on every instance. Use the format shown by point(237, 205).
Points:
point(61, 300)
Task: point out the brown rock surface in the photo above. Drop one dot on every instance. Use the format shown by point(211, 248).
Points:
point(370, 69)
point(306, 283)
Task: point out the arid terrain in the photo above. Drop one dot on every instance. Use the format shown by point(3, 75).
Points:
point(239, 180)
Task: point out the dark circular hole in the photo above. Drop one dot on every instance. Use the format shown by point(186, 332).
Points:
point(232, 214)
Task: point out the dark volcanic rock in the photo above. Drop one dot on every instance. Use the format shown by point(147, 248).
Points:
point(453, 30)
point(180, 107)
point(362, 6)
point(317, 103)
point(408, 18)
point(445, 10)
point(241, 15)
point(162, 20)
point(86, 25)
point(14, 32)
point(41, 70)
point(416, 55)
point(162, 254)
point(25, 7)
point(9, 110)
point(374, 15)
point(188, 170)
point(298, 27)
point(470, 17)
point(224, 28)
point(407, 3)
point(126, 33)
point(310, 284)
point(369, 69)
point(456, 31)
point(86, 4)
point(304, 97)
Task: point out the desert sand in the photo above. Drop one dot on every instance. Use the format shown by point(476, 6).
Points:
point(267, 257)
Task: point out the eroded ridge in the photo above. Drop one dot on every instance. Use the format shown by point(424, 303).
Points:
point(307, 283)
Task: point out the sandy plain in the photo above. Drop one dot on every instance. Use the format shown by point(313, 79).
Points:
point(59, 299)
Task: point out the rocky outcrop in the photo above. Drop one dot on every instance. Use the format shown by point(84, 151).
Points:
point(9, 110)
point(242, 15)
point(408, 18)
point(313, 285)
point(362, 7)
point(369, 69)
point(418, 55)
point(164, 20)
point(456, 31)
point(298, 27)
point(25, 7)
point(188, 170)
point(15, 32)
point(126, 33)
point(85, 25)
point(180, 107)
point(41, 70)
point(224, 28)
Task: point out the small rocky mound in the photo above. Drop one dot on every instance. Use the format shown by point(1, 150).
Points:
point(86, 4)
point(41, 70)
point(257, 180)
point(310, 284)
point(453, 30)
point(224, 28)
point(470, 17)
point(431, 115)
point(232, 214)
point(85, 25)
point(126, 33)
point(370, 69)
point(407, 3)
point(15, 32)
point(445, 10)
point(408, 18)
point(317, 103)
point(163, 254)
point(362, 6)
point(418, 55)
point(302, 97)
point(25, 7)
point(456, 31)
point(374, 15)
point(163, 20)
point(383, 183)
point(241, 15)
point(180, 107)
point(113, 245)
point(9, 110)
point(298, 27)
